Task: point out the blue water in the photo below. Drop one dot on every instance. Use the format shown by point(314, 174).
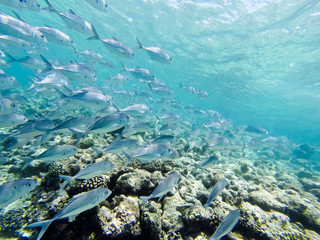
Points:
point(258, 60)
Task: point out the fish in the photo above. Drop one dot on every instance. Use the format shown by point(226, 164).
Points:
point(118, 146)
point(165, 139)
point(164, 186)
point(20, 29)
point(109, 123)
point(56, 36)
point(140, 73)
point(52, 154)
point(149, 153)
point(50, 81)
point(114, 46)
point(91, 56)
point(162, 91)
point(255, 130)
point(11, 191)
point(205, 163)
point(189, 89)
point(140, 127)
point(135, 110)
point(202, 93)
point(216, 190)
point(75, 206)
point(156, 53)
point(73, 21)
point(226, 225)
point(16, 43)
point(7, 82)
point(22, 4)
point(29, 62)
point(7, 106)
point(74, 71)
point(90, 171)
point(100, 5)
point(170, 117)
point(12, 120)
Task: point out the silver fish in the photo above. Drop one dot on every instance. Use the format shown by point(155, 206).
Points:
point(100, 5)
point(165, 139)
point(53, 80)
point(73, 20)
point(22, 4)
point(135, 110)
point(12, 119)
point(114, 46)
point(56, 36)
point(217, 189)
point(226, 225)
point(118, 146)
point(16, 42)
point(7, 81)
point(90, 171)
point(162, 90)
point(20, 29)
point(7, 106)
point(74, 71)
point(76, 205)
point(205, 163)
point(255, 130)
point(140, 127)
point(164, 186)
point(140, 73)
point(156, 53)
point(109, 123)
point(149, 153)
point(11, 191)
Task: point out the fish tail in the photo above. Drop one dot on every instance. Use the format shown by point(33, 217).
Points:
point(150, 86)
point(116, 107)
point(79, 134)
point(95, 33)
point(48, 64)
point(50, 7)
point(124, 67)
point(128, 159)
point(11, 59)
point(27, 161)
point(145, 199)
point(66, 179)
point(44, 226)
point(61, 94)
point(97, 150)
point(140, 44)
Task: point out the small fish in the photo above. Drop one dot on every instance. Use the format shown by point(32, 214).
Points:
point(119, 78)
point(140, 127)
point(20, 29)
point(7, 106)
point(202, 93)
point(53, 80)
point(73, 21)
point(73, 71)
point(91, 56)
point(149, 153)
point(118, 146)
point(12, 120)
point(189, 89)
point(16, 43)
point(109, 123)
point(53, 154)
point(56, 36)
point(100, 5)
point(226, 225)
point(76, 205)
point(7, 82)
point(162, 90)
point(135, 110)
point(205, 163)
point(22, 4)
point(29, 62)
point(140, 73)
point(90, 171)
point(156, 53)
point(170, 117)
point(165, 139)
point(114, 46)
point(255, 130)
point(217, 189)
point(164, 186)
point(11, 191)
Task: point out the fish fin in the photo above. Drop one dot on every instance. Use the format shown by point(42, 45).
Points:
point(95, 33)
point(50, 7)
point(66, 179)
point(159, 199)
point(97, 150)
point(70, 11)
point(27, 161)
point(124, 67)
point(128, 159)
point(150, 86)
point(115, 38)
point(140, 44)
point(11, 59)
point(48, 64)
point(61, 94)
point(18, 16)
point(44, 226)
point(116, 107)
point(145, 200)
point(79, 134)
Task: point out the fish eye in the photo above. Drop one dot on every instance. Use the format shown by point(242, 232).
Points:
point(28, 184)
point(13, 105)
point(106, 5)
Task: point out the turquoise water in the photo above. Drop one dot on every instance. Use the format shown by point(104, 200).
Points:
point(258, 63)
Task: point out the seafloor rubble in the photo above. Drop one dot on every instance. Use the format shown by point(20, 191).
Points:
point(277, 195)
